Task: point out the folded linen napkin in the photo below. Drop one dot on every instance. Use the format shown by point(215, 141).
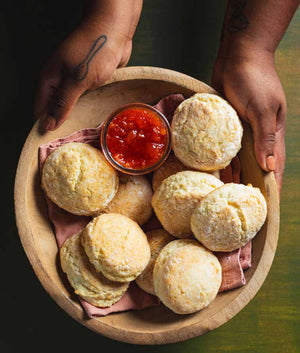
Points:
point(66, 224)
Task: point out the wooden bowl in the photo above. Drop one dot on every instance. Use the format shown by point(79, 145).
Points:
point(156, 325)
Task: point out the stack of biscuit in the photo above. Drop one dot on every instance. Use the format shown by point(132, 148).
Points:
point(188, 198)
point(112, 250)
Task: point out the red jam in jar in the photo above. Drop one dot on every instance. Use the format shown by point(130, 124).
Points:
point(137, 137)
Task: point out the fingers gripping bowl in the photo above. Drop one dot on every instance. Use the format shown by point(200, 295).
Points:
point(155, 325)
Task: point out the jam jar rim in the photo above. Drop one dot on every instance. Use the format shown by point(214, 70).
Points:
point(107, 153)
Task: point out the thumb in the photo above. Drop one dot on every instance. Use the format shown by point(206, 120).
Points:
point(61, 103)
point(264, 130)
point(126, 54)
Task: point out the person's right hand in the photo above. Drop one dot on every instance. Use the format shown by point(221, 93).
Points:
point(84, 60)
point(250, 83)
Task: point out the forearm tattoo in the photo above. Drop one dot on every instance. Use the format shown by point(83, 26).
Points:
point(237, 20)
point(81, 70)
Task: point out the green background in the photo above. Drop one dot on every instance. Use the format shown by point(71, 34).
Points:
point(180, 35)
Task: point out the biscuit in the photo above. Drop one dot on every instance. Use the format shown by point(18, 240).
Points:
point(206, 132)
point(133, 198)
point(171, 166)
point(228, 217)
point(175, 199)
point(77, 178)
point(116, 246)
point(89, 284)
point(157, 239)
point(186, 276)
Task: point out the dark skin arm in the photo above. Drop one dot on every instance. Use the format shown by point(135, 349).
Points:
point(245, 73)
point(244, 70)
point(86, 58)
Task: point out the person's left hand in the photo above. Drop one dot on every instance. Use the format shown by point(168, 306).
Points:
point(251, 85)
point(86, 59)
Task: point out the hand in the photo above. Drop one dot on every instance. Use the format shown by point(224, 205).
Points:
point(250, 83)
point(86, 59)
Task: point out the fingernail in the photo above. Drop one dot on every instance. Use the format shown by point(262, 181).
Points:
point(271, 163)
point(49, 123)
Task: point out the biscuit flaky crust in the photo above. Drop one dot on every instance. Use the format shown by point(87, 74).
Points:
point(206, 132)
point(228, 217)
point(171, 166)
point(116, 246)
point(187, 277)
point(89, 284)
point(133, 198)
point(157, 239)
point(176, 198)
point(77, 177)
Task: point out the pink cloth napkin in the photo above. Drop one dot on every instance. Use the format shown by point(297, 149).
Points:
point(134, 299)
point(66, 224)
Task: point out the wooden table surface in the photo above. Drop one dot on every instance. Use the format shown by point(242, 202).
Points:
point(178, 35)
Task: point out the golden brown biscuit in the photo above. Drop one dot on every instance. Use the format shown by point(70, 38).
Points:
point(176, 198)
point(157, 239)
point(206, 132)
point(116, 246)
point(171, 166)
point(228, 217)
point(77, 177)
point(133, 198)
point(187, 277)
point(89, 284)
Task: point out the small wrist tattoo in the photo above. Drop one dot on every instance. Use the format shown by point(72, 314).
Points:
point(81, 70)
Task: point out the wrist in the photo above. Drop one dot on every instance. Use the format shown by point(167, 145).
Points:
point(244, 49)
point(113, 16)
